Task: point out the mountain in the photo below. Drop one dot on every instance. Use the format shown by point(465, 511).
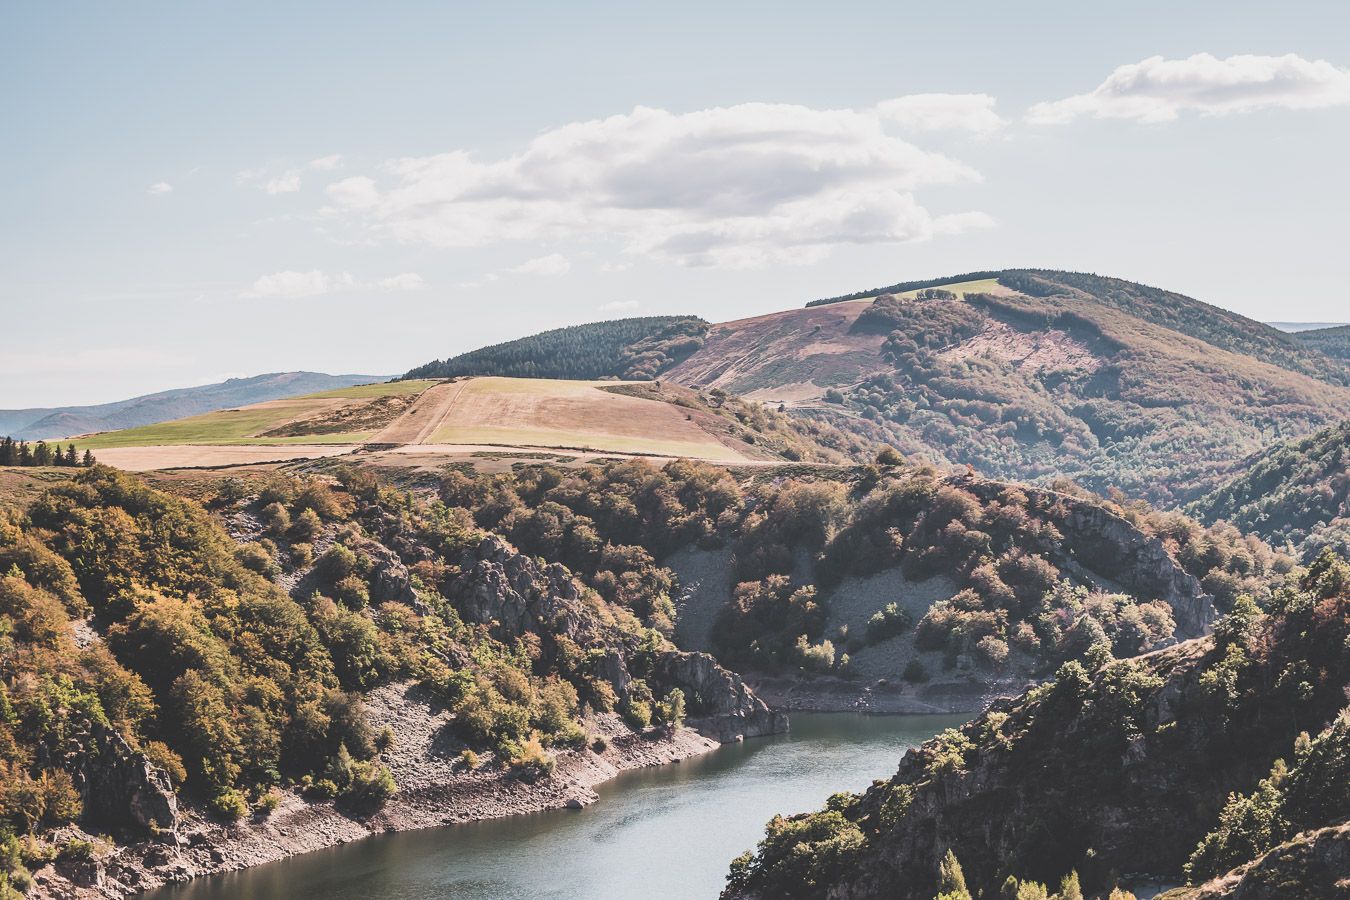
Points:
point(1296, 327)
point(1222, 761)
point(1333, 341)
point(1036, 375)
point(67, 421)
point(1296, 492)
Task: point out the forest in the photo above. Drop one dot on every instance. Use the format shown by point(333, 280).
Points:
point(631, 349)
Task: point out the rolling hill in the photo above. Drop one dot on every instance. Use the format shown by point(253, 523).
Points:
point(435, 419)
point(1296, 492)
point(1035, 375)
point(1333, 341)
point(1026, 374)
point(66, 421)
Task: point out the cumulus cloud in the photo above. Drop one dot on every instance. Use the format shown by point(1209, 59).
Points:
point(553, 264)
point(160, 187)
point(1159, 90)
point(291, 285)
point(943, 112)
point(738, 186)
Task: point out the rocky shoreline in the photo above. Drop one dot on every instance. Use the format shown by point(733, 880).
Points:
point(824, 693)
point(435, 789)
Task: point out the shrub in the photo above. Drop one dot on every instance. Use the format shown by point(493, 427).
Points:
point(229, 804)
point(915, 672)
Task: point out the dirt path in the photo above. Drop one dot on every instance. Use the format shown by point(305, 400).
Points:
point(426, 415)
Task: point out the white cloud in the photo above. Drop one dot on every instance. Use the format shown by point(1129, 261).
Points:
point(160, 187)
point(553, 264)
point(286, 183)
point(740, 186)
point(619, 306)
point(290, 285)
point(1159, 90)
point(326, 163)
point(406, 281)
point(943, 112)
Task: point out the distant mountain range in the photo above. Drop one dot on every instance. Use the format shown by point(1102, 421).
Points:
point(1296, 327)
point(67, 421)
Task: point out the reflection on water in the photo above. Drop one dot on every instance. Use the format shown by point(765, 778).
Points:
point(669, 831)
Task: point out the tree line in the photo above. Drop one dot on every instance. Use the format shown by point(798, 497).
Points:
point(21, 453)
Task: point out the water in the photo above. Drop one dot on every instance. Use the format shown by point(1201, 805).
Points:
point(669, 831)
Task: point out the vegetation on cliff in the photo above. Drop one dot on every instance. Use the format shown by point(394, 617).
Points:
point(1167, 764)
point(1026, 570)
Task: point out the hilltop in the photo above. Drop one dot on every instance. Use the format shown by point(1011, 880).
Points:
point(1026, 374)
point(1296, 492)
point(1333, 341)
point(1034, 375)
point(68, 421)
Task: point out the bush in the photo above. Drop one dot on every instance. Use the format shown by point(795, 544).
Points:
point(229, 804)
point(370, 787)
point(915, 673)
point(533, 761)
point(470, 759)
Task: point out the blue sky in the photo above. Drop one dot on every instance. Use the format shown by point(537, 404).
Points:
point(195, 191)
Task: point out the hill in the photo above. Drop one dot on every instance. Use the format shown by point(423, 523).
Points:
point(1034, 375)
point(67, 421)
point(468, 415)
point(340, 660)
point(633, 349)
point(889, 589)
point(1223, 761)
point(1334, 341)
point(1296, 492)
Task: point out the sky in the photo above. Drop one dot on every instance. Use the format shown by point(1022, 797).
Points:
point(199, 191)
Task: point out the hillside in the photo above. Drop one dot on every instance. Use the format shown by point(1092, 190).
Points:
point(631, 349)
point(1226, 753)
point(305, 656)
point(1296, 492)
point(894, 589)
point(1334, 341)
point(1034, 375)
point(455, 418)
point(67, 421)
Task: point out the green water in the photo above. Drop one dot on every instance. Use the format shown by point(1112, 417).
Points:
point(667, 832)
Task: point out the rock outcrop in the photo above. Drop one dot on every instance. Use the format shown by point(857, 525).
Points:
point(720, 704)
point(119, 788)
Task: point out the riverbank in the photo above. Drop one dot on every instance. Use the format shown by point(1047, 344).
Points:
point(435, 788)
point(827, 693)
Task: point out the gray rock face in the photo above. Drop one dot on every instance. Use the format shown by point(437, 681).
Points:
point(118, 786)
point(515, 594)
point(511, 589)
point(1101, 542)
point(720, 704)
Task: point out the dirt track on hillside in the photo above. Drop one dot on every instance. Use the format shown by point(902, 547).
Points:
point(426, 415)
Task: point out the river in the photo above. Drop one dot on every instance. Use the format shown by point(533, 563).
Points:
point(668, 831)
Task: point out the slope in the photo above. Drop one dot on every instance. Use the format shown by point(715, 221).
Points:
point(1034, 375)
point(1114, 767)
point(1333, 341)
point(1296, 492)
point(59, 422)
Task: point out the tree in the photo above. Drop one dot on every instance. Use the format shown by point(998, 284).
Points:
point(88, 461)
point(951, 879)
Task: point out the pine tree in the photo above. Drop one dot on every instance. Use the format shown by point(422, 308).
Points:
point(71, 459)
point(25, 454)
point(9, 452)
point(951, 879)
point(88, 461)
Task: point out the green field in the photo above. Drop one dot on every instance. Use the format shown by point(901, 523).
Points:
point(238, 426)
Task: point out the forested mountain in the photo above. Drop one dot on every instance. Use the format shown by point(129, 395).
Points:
point(1229, 754)
point(1333, 341)
point(151, 657)
point(632, 349)
point(1296, 492)
point(66, 421)
point(1031, 375)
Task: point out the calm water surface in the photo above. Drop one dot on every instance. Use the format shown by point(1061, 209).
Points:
point(669, 831)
